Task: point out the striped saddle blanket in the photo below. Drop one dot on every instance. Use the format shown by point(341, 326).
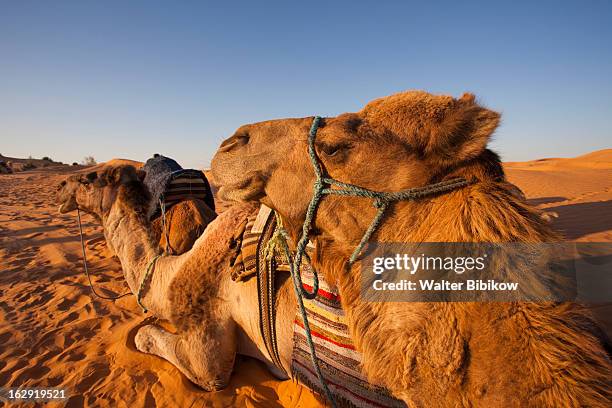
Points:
point(337, 357)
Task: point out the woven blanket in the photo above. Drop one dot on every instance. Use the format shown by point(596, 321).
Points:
point(338, 359)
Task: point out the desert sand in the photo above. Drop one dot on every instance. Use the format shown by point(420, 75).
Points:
point(53, 332)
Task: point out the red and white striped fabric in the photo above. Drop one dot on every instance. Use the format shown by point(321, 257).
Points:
point(338, 359)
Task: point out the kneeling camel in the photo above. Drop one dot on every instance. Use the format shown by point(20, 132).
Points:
point(428, 354)
point(215, 317)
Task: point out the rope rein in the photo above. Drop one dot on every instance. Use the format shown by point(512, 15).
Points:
point(86, 269)
point(143, 282)
point(152, 262)
point(145, 278)
point(323, 186)
point(165, 230)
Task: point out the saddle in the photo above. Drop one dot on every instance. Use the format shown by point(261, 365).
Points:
point(338, 359)
point(169, 184)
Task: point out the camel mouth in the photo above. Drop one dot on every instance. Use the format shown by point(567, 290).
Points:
point(248, 189)
point(66, 207)
point(239, 195)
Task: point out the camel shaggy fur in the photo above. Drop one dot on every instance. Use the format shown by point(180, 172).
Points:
point(428, 354)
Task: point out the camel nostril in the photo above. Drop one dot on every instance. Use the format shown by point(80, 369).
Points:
point(233, 142)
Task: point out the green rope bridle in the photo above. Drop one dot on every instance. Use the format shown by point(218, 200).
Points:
point(323, 186)
point(381, 200)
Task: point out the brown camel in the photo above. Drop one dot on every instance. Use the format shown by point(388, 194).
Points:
point(428, 354)
point(215, 317)
point(185, 221)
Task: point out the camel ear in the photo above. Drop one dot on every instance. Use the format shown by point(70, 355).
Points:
point(141, 174)
point(124, 174)
point(119, 175)
point(464, 132)
point(88, 178)
point(468, 97)
point(99, 182)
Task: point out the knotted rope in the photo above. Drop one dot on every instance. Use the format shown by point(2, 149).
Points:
point(323, 186)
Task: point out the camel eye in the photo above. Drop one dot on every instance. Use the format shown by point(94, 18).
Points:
point(243, 139)
point(333, 150)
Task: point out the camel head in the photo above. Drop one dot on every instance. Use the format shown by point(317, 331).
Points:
point(396, 142)
point(96, 192)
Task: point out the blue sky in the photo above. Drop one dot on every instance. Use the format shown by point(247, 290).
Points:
point(129, 79)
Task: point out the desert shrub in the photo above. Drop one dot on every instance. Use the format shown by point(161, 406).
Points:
point(28, 166)
point(75, 163)
point(47, 158)
point(89, 161)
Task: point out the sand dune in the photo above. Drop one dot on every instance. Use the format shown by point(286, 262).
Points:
point(54, 333)
point(116, 162)
point(600, 159)
point(578, 189)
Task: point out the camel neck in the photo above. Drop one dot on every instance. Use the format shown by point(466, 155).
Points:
point(126, 232)
point(488, 211)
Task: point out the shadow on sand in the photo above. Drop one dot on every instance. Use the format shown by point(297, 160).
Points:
point(578, 220)
point(545, 200)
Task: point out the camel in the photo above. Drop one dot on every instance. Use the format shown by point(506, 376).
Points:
point(185, 221)
point(428, 354)
point(215, 317)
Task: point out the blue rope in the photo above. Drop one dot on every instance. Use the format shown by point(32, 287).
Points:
point(323, 186)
